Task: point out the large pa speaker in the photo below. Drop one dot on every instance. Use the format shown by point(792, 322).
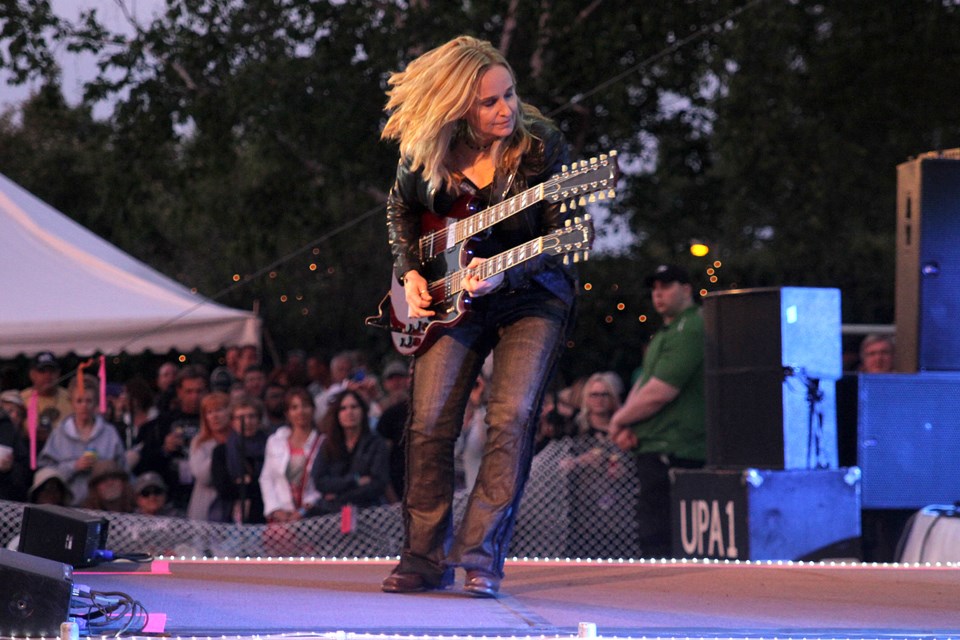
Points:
point(771, 358)
point(909, 439)
point(34, 595)
point(62, 534)
point(928, 263)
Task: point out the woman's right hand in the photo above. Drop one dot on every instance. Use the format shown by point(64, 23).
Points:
point(85, 461)
point(418, 298)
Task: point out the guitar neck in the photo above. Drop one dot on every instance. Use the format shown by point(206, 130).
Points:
point(471, 226)
point(499, 263)
point(597, 175)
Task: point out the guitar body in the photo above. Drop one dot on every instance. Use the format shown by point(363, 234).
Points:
point(450, 300)
point(410, 335)
point(439, 248)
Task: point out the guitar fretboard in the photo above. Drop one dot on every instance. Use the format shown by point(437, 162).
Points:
point(499, 263)
point(469, 227)
point(580, 179)
point(472, 225)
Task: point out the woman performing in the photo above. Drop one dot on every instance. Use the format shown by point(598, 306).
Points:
point(463, 131)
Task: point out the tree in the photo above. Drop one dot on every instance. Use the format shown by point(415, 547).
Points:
point(243, 156)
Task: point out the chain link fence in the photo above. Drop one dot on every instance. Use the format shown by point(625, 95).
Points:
point(580, 502)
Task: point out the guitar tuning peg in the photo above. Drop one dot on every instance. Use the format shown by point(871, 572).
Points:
point(603, 158)
point(586, 254)
point(573, 205)
point(613, 153)
point(611, 194)
point(601, 196)
point(587, 217)
point(563, 168)
point(593, 160)
point(576, 257)
point(563, 207)
point(582, 202)
point(583, 164)
point(566, 222)
point(576, 219)
point(566, 259)
point(592, 198)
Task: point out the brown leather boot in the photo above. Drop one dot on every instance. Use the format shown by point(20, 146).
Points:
point(410, 582)
point(481, 584)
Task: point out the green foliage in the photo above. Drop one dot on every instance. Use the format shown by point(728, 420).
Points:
point(243, 154)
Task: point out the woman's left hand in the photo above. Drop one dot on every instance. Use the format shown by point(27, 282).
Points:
point(475, 285)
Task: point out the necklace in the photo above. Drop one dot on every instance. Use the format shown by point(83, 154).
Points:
point(476, 147)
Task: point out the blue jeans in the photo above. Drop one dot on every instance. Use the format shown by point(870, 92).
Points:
point(524, 329)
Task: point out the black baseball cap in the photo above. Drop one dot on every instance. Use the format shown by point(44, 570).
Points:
point(45, 360)
point(668, 273)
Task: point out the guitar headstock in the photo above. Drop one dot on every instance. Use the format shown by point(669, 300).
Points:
point(584, 182)
point(573, 241)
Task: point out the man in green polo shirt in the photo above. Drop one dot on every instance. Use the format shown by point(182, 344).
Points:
point(662, 419)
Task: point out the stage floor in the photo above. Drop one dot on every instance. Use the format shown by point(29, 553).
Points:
point(543, 599)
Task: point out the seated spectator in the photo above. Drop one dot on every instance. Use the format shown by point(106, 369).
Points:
point(214, 429)
point(591, 447)
point(237, 464)
point(14, 448)
point(274, 407)
point(221, 380)
point(249, 355)
point(295, 369)
point(343, 367)
point(601, 398)
point(557, 418)
point(165, 442)
point(396, 384)
point(150, 495)
point(285, 482)
point(255, 381)
point(318, 375)
point(167, 375)
point(109, 488)
point(50, 487)
point(353, 466)
point(390, 427)
point(53, 401)
point(876, 354)
point(81, 440)
point(137, 408)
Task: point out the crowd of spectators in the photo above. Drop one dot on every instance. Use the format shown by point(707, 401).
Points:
point(241, 444)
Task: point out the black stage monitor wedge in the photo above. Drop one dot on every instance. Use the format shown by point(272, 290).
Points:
point(34, 595)
point(62, 534)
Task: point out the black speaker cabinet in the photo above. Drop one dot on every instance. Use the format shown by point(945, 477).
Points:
point(763, 514)
point(909, 439)
point(34, 595)
point(62, 534)
point(771, 358)
point(928, 264)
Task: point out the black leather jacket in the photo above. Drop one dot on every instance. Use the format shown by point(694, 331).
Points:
point(410, 196)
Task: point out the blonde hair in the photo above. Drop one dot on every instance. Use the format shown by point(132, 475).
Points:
point(612, 384)
point(429, 100)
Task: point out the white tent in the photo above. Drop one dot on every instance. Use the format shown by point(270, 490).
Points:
point(65, 289)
